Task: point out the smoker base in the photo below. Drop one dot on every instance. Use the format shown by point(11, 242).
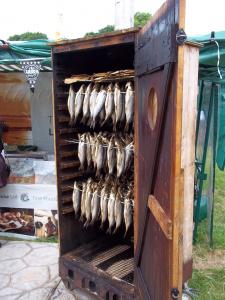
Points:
point(102, 267)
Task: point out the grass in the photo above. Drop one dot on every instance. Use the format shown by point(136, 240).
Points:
point(52, 239)
point(211, 282)
point(202, 243)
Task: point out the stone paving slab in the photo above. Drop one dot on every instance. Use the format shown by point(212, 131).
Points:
point(29, 271)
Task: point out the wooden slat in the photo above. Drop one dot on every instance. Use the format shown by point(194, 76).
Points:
point(63, 119)
point(69, 164)
point(65, 142)
point(62, 107)
point(65, 154)
point(161, 217)
point(18, 137)
point(14, 121)
point(189, 112)
point(67, 210)
point(66, 188)
point(109, 39)
point(62, 94)
point(66, 199)
point(72, 175)
point(67, 130)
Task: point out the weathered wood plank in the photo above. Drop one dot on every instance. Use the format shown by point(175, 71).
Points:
point(161, 217)
point(69, 164)
point(189, 113)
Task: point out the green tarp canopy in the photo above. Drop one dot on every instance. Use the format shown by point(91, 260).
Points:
point(208, 70)
point(17, 51)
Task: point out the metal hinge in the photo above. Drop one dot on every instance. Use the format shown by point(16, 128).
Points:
point(181, 37)
point(175, 293)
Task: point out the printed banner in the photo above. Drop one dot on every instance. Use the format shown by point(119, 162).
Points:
point(28, 222)
point(16, 220)
point(35, 196)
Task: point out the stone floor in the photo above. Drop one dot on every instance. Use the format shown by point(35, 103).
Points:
point(29, 271)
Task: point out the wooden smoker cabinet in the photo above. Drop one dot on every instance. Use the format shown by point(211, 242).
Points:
point(166, 70)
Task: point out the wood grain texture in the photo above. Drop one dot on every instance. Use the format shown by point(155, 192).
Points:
point(105, 40)
point(189, 113)
point(161, 217)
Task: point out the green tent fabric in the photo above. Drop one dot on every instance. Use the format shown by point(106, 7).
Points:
point(18, 51)
point(208, 70)
point(220, 159)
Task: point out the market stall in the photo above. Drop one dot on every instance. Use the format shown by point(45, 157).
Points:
point(29, 199)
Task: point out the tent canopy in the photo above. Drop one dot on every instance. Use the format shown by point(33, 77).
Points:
point(14, 52)
point(211, 62)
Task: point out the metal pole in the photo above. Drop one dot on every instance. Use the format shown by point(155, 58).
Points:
point(201, 176)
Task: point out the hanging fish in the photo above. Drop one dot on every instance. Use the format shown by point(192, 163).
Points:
point(128, 213)
point(104, 205)
point(88, 199)
point(118, 104)
point(82, 146)
point(118, 211)
point(129, 151)
point(83, 197)
point(92, 103)
point(111, 155)
point(109, 103)
point(76, 198)
point(99, 105)
point(111, 211)
point(95, 206)
point(123, 114)
point(99, 156)
point(129, 105)
point(86, 104)
point(93, 140)
point(120, 158)
point(101, 116)
point(71, 104)
point(88, 150)
point(78, 103)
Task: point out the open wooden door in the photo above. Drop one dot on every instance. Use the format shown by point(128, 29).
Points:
point(158, 176)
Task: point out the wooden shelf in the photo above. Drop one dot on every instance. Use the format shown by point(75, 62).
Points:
point(67, 210)
point(71, 175)
point(69, 164)
point(65, 154)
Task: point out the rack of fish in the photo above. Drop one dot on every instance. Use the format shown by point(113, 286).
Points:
point(103, 113)
point(105, 153)
point(95, 105)
point(107, 201)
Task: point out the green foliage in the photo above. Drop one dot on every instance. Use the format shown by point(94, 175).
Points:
point(27, 36)
point(91, 33)
point(141, 18)
point(108, 28)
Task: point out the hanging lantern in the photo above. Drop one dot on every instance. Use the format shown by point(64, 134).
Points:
point(31, 69)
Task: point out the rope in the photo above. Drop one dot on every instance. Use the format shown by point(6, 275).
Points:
point(74, 141)
point(218, 59)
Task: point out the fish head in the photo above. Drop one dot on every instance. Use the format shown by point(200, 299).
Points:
point(82, 88)
point(110, 87)
point(129, 85)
